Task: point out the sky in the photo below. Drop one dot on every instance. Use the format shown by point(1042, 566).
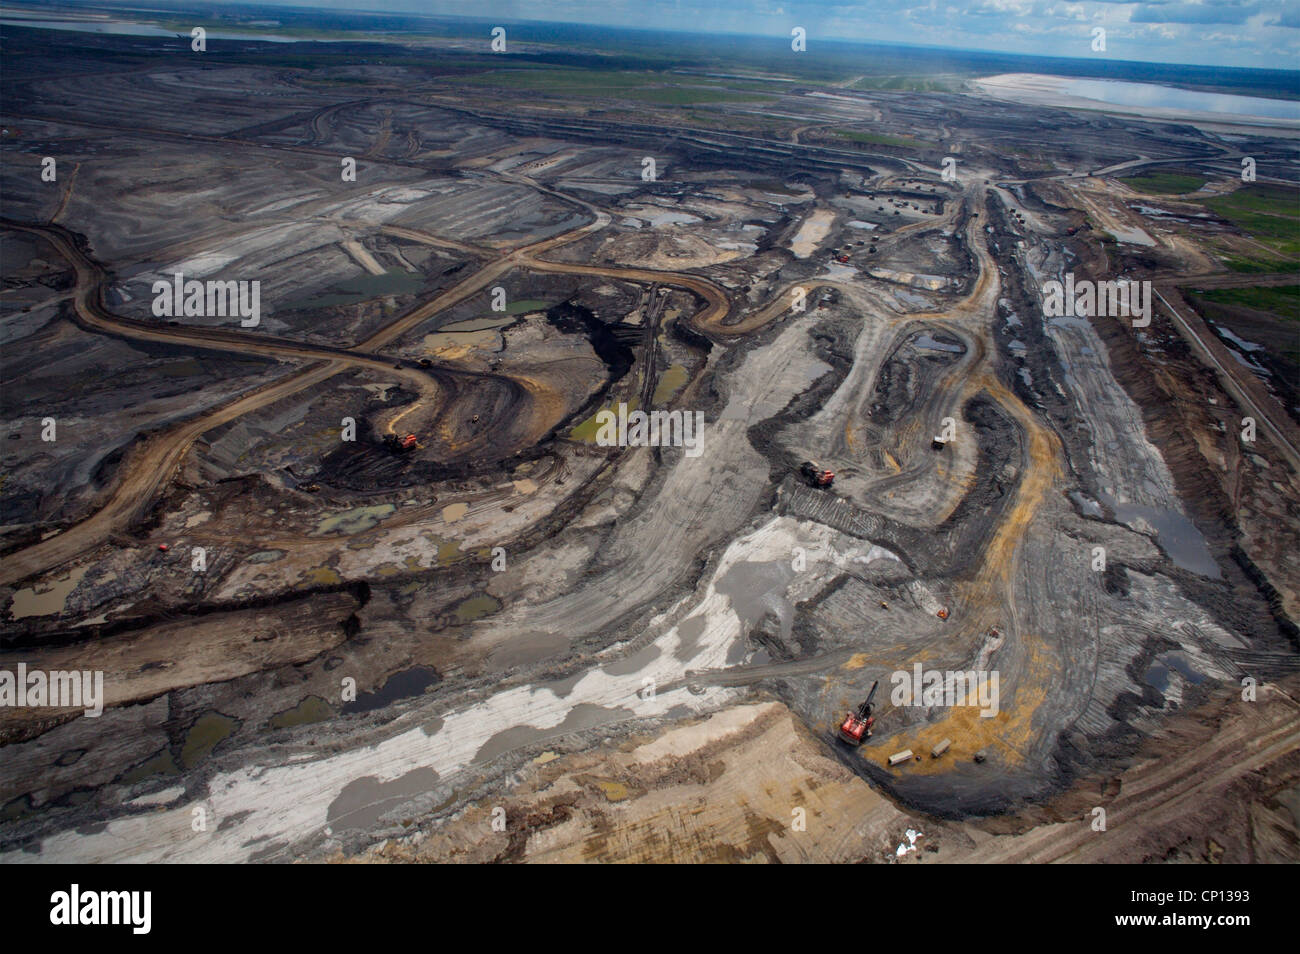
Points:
point(1259, 33)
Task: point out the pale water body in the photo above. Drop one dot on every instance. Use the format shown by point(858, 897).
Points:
point(1175, 534)
point(1241, 343)
point(1158, 675)
point(1089, 507)
point(927, 343)
point(403, 685)
point(757, 590)
point(1120, 93)
point(122, 28)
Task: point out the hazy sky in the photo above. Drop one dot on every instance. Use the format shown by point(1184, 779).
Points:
point(1261, 33)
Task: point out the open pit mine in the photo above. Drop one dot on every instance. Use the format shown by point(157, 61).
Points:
point(422, 452)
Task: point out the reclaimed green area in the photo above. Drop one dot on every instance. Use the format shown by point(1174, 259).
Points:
point(1267, 213)
point(1258, 197)
point(1165, 183)
point(1260, 266)
point(1281, 300)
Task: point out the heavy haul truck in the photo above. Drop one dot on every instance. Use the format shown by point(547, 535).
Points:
point(815, 475)
point(401, 444)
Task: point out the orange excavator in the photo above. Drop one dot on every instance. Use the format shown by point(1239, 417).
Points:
point(856, 727)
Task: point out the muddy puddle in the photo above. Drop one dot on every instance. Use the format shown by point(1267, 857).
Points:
point(211, 729)
point(1087, 506)
point(812, 233)
point(587, 430)
point(584, 715)
point(757, 590)
point(363, 802)
point(311, 709)
point(160, 764)
point(476, 607)
point(1157, 676)
point(1175, 534)
point(403, 685)
point(670, 382)
point(46, 599)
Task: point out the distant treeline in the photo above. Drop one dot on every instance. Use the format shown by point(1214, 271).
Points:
point(618, 48)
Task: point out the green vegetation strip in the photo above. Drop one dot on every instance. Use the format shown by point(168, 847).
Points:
point(1257, 266)
point(1268, 214)
point(1165, 183)
point(1281, 300)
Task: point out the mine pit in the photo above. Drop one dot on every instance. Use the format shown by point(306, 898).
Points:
point(363, 573)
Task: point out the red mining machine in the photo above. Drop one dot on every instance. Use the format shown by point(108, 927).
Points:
point(856, 727)
point(401, 444)
point(815, 475)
